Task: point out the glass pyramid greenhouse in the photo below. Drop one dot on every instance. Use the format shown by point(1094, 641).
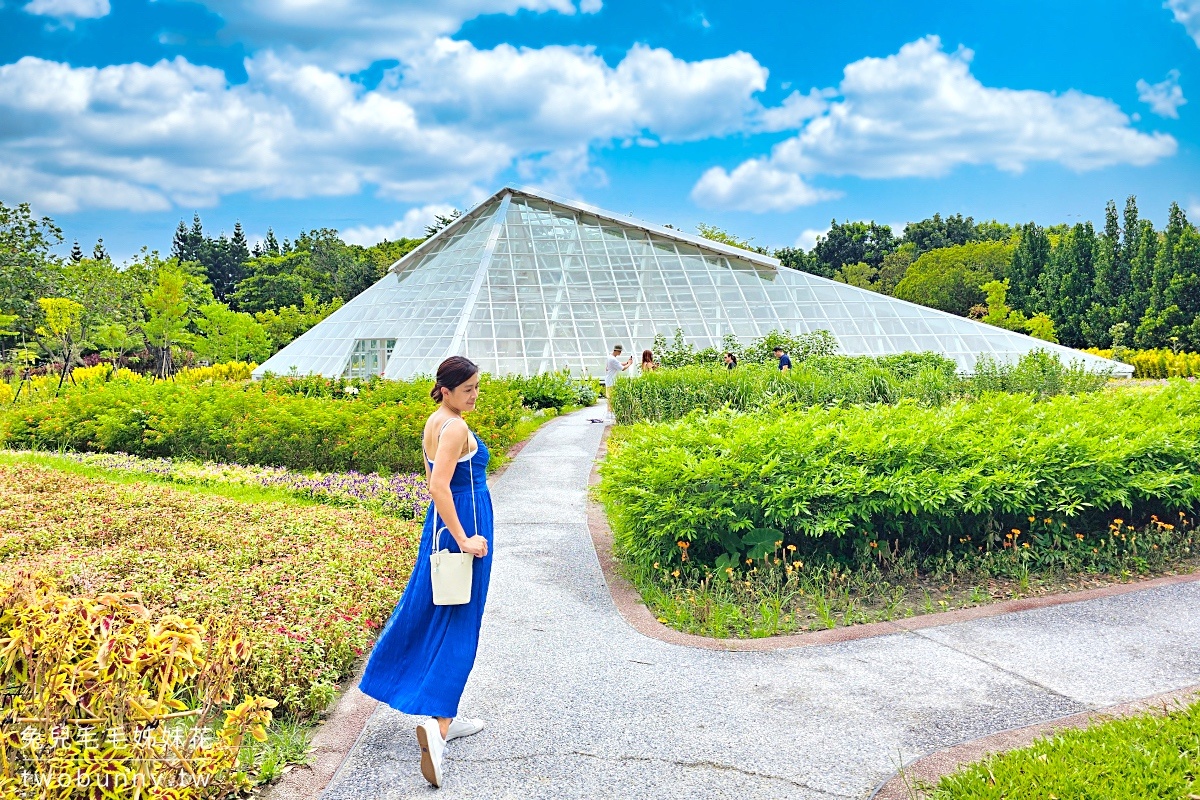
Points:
point(526, 284)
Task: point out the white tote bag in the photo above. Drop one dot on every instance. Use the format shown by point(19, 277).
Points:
point(451, 572)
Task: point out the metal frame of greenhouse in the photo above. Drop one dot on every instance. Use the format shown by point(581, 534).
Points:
point(526, 283)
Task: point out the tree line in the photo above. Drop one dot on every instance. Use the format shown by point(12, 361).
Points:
point(214, 298)
point(217, 298)
point(1127, 284)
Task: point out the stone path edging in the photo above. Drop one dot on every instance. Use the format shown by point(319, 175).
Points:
point(629, 602)
point(927, 770)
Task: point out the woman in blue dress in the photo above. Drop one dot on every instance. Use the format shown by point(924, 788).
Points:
point(425, 653)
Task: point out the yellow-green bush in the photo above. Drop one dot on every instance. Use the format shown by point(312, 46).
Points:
point(103, 697)
point(1155, 363)
point(229, 371)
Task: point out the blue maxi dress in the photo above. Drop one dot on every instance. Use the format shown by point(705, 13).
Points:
point(425, 652)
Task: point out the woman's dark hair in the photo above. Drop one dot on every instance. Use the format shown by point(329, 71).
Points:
point(647, 356)
point(452, 373)
point(732, 358)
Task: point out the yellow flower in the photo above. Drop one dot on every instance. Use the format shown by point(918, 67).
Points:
point(1031, 519)
point(1016, 531)
point(1079, 536)
point(1026, 545)
point(656, 565)
point(749, 560)
point(1047, 520)
point(675, 573)
point(663, 620)
point(792, 547)
point(1119, 521)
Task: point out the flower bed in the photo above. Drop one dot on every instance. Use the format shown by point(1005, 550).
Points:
point(403, 495)
point(314, 584)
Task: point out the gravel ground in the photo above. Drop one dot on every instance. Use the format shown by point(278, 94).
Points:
point(579, 705)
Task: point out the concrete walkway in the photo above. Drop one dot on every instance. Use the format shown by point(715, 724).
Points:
point(579, 705)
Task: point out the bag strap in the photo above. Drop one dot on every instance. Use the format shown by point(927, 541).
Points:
point(437, 543)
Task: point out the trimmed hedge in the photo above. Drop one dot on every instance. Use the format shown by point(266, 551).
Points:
point(834, 481)
point(301, 425)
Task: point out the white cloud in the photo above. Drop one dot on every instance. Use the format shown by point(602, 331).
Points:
point(348, 35)
point(68, 10)
point(441, 126)
point(755, 185)
point(921, 113)
point(410, 226)
point(1187, 14)
point(1165, 97)
point(795, 110)
point(558, 96)
point(144, 137)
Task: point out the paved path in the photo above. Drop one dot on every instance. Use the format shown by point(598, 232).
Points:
point(579, 705)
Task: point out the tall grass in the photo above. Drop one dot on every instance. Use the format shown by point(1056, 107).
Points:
point(927, 378)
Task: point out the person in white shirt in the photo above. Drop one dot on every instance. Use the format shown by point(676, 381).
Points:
point(612, 368)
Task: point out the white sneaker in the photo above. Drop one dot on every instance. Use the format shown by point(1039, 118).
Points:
point(429, 736)
point(463, 726)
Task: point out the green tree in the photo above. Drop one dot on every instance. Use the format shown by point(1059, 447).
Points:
point(1066, 284)
point(1029, 259)
point(230, 335)
point(115, 341)
point(894, 267)
point(862, 275)
point(951, 278)
point(1040, 326)
point(1110, 283)
point(852, 242)
point(61, 334)
point(935, 232)
point(797, 258)
point(266, 291)
point(1143, 250)
point(28, 269)
point(167, 309)
point(998, 312)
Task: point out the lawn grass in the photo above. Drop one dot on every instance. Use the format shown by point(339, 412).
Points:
point(1150, 755)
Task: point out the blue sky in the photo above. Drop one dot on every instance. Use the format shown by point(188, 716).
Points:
point(119, 117)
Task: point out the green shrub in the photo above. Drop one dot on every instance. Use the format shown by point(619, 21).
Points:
point(678, 352)
point(929, 378)
point(555, 390)
point(856, 482)
point(1154, 363)
point(288, 422)
point(1039, 373)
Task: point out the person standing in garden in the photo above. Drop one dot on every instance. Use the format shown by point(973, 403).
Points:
point(730, 361)
point(612, 368)
point(425, 652)
point(648, 364)
point(785, 363)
